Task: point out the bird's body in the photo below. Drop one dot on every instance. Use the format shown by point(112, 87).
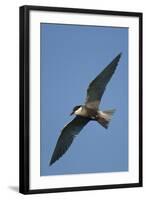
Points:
point(88, 111)
point(103, 117)
point(84, 111)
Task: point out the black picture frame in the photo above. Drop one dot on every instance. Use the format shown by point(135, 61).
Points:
point(25, 105)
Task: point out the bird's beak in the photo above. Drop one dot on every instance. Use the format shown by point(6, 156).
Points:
point(71, 113)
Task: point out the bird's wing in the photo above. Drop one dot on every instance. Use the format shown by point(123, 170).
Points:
point(97, 87)
point(67, 136)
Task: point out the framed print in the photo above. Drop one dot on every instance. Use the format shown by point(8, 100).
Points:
point(80, 99)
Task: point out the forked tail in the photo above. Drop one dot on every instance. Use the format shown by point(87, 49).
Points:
point(105, 117)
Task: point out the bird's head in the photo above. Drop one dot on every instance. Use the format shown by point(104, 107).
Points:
point(74, 109)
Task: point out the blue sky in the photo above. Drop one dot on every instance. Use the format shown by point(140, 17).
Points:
point(71, 57)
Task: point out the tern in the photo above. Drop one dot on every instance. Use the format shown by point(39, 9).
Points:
point(87, 112)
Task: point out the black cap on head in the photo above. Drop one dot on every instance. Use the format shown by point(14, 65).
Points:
point(74, 109)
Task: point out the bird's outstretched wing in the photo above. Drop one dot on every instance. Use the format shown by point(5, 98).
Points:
point(67, 136)
point(97, 86)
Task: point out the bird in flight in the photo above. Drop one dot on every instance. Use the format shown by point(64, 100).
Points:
point(87, 112)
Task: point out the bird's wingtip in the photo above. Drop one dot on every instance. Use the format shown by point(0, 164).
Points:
point(119, 55)
point(51, 162)
point(117, 58)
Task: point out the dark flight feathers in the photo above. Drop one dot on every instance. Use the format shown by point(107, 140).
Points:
point(67, 136)
point(97, 86)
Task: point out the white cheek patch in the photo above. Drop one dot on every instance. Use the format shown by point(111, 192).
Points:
point(77, 112)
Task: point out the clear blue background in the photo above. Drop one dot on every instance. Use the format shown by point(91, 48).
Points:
point(71, 57)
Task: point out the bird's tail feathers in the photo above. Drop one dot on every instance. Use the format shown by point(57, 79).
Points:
point(105, 117)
